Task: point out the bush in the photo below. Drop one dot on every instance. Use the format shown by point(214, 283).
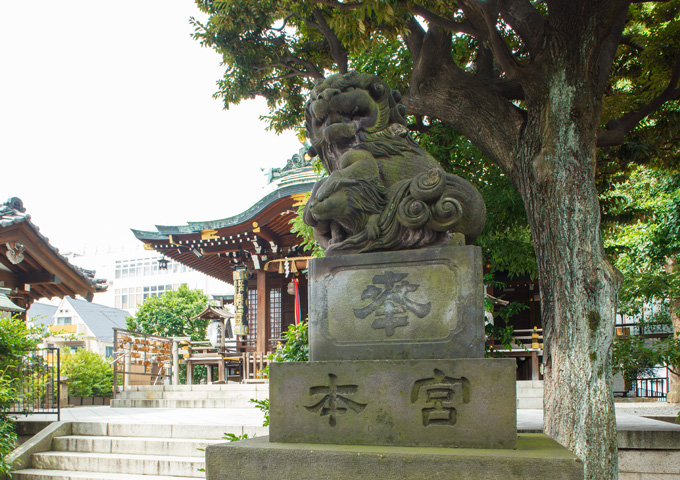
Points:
point(296, 347)
point(90, 374)
point(8, 436)
point(16, 340)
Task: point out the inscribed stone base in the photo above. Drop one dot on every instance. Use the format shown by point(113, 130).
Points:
point(425, 303)
point(537, 457)
point(440, 403)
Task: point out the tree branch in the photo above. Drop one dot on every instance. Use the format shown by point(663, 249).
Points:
point(628, 40)
point(414, 38)
point(311, 72)
point(497, 44)
point(440, 88)
point(616, 129)
point(345, 7)
point(285, 21)
point(526, 21)
point(510, 89)
point(338, 52)
point(445, 23)
point(609, 46)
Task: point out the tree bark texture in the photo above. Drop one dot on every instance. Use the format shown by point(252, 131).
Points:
point(578, 284)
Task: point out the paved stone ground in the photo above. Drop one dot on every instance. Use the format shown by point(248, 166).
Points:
point(644, 409)
point(181, 416)
point(630, 416)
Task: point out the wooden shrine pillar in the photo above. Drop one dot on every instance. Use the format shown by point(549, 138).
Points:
point(263, 320)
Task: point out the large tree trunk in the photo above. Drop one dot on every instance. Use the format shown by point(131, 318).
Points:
point(556, 178)
point(549, 151)
point(673, 379)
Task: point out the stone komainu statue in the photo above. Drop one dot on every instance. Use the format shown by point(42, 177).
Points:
point(384, 192)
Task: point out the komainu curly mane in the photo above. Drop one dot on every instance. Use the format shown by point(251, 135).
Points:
point(377, 171)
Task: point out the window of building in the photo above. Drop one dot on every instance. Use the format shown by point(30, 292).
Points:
point(146, 266)
point(275, 313)
point(64, 320)
point(252, 314)
point(132, 297)
point(109, 352)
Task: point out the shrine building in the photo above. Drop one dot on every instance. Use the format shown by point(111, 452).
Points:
point(259, 246)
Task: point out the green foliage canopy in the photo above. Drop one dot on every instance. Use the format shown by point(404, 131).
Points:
point(16, 340)
point(90, 374)
point(171, 314)
point(642, 234)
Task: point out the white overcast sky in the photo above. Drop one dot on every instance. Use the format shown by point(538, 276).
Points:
point(107, 121)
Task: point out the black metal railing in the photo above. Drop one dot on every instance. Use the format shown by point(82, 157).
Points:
point(36, 379)
point(651, 387)
point(646, 329)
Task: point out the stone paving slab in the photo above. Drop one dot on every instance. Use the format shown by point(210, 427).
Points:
point(536, 457)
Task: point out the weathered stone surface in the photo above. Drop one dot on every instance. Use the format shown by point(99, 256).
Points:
point(384, 192)
point(537, 457)
point(442, 403)
point(424, 303)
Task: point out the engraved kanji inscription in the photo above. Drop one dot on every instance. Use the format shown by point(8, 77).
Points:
point(390, 302)
point(334, 401)
point(440, 394)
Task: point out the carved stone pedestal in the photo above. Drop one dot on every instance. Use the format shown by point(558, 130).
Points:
point(426, 303)
point(437, 403)
point(537, 457)
point(398, 386)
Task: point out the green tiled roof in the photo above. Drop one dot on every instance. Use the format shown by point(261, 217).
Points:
point(7, 305)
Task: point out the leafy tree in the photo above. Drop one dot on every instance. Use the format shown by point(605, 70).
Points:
point(8, 435)
point(632, 357)
point(16, 340)
point(171, 314)
point(90, 374)
point(536, 87)
point(642, 234)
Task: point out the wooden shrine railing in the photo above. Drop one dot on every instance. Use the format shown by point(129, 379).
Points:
point(140, 358)
point(235, 361)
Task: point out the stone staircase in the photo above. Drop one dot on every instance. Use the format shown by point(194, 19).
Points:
point(530, 394)
point(101, 451)
point(238, 395)
point(231, 395)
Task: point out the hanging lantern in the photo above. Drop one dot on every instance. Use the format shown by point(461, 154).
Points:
point(240, 300)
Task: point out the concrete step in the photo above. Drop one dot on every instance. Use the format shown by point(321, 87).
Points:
point(210, 432)
point(188, 447)
point(530, 384)
point(529, 393)
point(183, 403)
point(38, 474)
point(192, 394)
point(530, 403)
point(230, 387)
point(177, 466)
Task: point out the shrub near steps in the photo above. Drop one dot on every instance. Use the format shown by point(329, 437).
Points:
point(231, 395)
point(101, 451)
